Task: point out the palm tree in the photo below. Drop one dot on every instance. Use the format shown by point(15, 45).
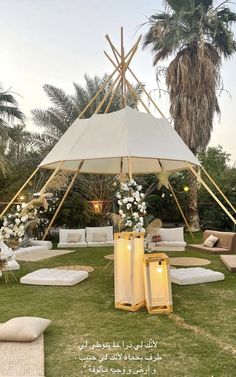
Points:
point(198, 35)
point(66, 108)
point(9, 112)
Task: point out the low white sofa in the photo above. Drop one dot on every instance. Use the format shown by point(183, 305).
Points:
point(172, 239)
point(88, 237)
point(99, 236)
point(35, 245)
point(71, 238)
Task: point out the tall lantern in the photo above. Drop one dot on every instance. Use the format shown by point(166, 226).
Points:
point(157, 283)
point(128, 271)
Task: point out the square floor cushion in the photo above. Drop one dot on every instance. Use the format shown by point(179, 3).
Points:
point(194, 275)
point(229, 261)
point(49, 276)
point(23, 329)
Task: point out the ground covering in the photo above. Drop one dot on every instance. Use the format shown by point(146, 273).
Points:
point(197, 340)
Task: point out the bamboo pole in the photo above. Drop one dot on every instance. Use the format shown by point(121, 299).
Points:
point(98, 92)
point(218, 188)
point(18, 192)
point(112, 96)
point(119, 76)
point(130, 168)
point(106, 95)
point(133, 91)
point(197, 175)
point(135, 77)
point(106, 81)
point(62, 201)
point(181, 211)
point(51, 177)
point(123, 70)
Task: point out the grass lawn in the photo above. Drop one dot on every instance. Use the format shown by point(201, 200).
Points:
point(197, 340)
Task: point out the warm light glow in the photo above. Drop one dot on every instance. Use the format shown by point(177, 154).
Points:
point(129, 247)
point(22, 197)
point(186, 188)
point(159, 268)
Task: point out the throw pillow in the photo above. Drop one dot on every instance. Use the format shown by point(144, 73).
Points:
point(73, 237)
point(99, 237)
point(156, 238)
point(210, 241)
point(23, 329)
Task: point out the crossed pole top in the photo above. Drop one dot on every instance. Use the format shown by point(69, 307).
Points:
point(121, 63)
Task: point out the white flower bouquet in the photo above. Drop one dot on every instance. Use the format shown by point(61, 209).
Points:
point(14, 226)
point(132, 207)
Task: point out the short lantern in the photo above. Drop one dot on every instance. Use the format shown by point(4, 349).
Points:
point(128, 270)
point(157, 283)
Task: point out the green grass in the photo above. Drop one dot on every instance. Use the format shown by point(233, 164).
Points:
point(197, 340)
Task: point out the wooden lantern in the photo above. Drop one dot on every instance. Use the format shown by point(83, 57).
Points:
point(157, 283)
point(128, 270)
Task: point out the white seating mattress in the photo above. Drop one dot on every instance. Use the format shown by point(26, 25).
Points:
point(97, 244)
point(194, 275)
point(49, 276)
point(12, 265)
point(63, 245)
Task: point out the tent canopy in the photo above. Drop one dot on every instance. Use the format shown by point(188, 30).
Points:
point(105, 142)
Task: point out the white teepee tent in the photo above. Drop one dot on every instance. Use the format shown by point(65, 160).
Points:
point(118, 142)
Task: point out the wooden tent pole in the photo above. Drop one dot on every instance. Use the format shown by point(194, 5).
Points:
point(123, 69)
point(132, 91)
point(18, 192)
point(62, 201)
point(119, 76)
point(112, 96)
point(51, 177)
point(218, 188)
point(106, 95)
point(181, 211)
point(106, 81)
point(97, 94)
point(135, 77)
point(130, 168)
point(197, 175)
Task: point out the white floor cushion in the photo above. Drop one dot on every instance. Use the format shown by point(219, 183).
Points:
point(74, 245)
point(100, 244)
point(50, 276)
point(194, 275)
point(12, 265)
point(30, 249)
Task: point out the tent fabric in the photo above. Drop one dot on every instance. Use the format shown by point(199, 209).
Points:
point(105, 142)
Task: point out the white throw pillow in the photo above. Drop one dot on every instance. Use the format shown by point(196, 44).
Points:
point(210, 241)
point(171, 234)
point(73, 237)
point(63, 234)
point(23, 329)
point(100, 229)
point(99, 237)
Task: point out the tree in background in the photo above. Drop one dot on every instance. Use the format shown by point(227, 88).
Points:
point(9, 112)
point(216, 162)
point(198, 35)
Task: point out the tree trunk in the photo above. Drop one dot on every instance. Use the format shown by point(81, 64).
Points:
point(192, 202)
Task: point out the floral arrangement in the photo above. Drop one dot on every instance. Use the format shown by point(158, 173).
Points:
point(15, 224)
point(6, 253)
point(132, 207)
